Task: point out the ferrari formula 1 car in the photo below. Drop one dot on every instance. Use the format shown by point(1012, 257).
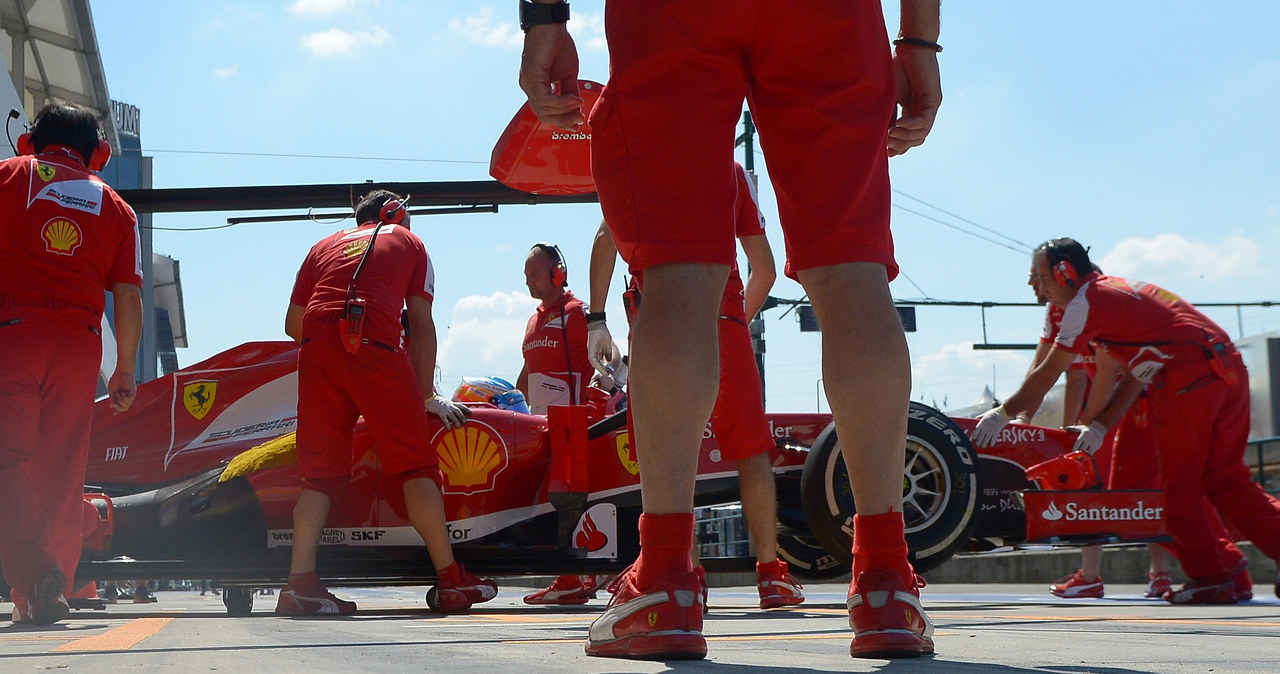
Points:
point(197, 480)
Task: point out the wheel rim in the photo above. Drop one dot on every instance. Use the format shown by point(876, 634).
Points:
point(924, 486)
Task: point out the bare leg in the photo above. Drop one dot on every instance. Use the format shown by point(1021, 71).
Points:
point(760, 504)
point(309, 517)
point(1159, 558)
point(426, 513)
point(866, 372)
point(675, 377)
point(1091, 562)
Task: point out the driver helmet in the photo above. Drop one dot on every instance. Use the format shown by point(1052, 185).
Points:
point(495, 391)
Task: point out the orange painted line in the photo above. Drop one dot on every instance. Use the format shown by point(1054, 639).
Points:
point(121, 638)
point(843, 636)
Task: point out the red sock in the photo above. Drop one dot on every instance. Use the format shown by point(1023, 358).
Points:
point(305, 581)
point(768, 569)
point(664, 546)
point(878, 544)
point(450, 574)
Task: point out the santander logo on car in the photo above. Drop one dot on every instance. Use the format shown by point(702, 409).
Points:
point(1076, 512)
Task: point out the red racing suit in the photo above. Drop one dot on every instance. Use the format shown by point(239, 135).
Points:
point(555, 353)
point(66, 238)
point(378, 382)
point(1198, 400)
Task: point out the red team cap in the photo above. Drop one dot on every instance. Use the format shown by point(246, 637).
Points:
point(541, 159)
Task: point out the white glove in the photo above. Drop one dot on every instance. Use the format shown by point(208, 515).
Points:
point(451, 414)
point(600, 346)
point(989, 425)
point(1090, 439)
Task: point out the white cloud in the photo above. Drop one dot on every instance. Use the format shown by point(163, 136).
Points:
point(321, 8)
point(336, 41)
point(958, 373)
point(226, 73)
point(484, 337)
point(483, 30)
point(1173, 256)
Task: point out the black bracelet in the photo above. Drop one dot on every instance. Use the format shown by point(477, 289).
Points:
point(917, 42)
point(537, 14)
point(595, 316)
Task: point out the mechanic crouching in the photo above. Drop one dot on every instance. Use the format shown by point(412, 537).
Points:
point(345, 313)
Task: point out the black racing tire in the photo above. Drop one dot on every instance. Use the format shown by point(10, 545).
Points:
point(433, 599)
point(806, 558)
point(238, 600)
point(939, 490)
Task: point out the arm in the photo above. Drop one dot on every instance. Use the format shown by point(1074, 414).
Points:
point(1038, 382)
point(1103, 389)
point(1073, 395)
point(1042, 350)
point(550, 58)
point(604, 255)
point(121, 387)
point(762, 274)
point(919, 84)
point(422, 348)
point(522, 381)
point(293, 321)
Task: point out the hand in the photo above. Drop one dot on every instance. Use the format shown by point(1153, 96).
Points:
point(1090, 439)
point(600, 346)
point(451, 414)
point(121, 389)
point(550, 58)
point(988, 428)
point(919, 94)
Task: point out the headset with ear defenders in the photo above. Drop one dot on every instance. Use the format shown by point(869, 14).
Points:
point(393, 212)
point(1060, 266)
point(97, 159)
point(559, 273)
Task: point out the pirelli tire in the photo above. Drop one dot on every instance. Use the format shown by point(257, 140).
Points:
point(806, 558)
point(238, 600)
point(939, 490)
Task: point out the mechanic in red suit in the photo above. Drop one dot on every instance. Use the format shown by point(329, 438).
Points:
point(345, 311)
point(65, 240)
point(738, 419)
point(556, 369)
point(1198, 399)
point(556, 372)
point(820, 80)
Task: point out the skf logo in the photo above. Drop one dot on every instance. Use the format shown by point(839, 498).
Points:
point(355, 248)
point(625, 456)
point(198, 396)
point(61, 236)
point(471, 457)
point(46, 172)
point(1051, 514)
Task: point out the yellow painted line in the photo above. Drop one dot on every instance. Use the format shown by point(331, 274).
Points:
point(121, 638)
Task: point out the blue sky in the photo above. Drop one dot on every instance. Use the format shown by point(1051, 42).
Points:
point(1145, 129)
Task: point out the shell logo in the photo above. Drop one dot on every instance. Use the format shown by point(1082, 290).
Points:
point(61, 236)
point(471, 457)
point(355, 248)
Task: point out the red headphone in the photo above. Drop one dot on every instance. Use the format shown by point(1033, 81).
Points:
point(97, 159)
point(393, 212)
point(1060, 266)
point(559, 273)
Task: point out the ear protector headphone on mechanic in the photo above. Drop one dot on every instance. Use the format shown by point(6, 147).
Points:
point(98, 158)
point(1060, 253)
point(559, 272)
point(394, 212)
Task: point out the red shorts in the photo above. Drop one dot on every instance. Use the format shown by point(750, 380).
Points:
point(738, 418)
point(1135, 463)
point(819, 80)
point(335, 388)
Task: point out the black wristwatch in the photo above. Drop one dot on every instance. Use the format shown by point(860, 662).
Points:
point(595, 316)
point(537, 14)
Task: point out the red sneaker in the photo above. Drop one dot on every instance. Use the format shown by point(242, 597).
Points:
point(591, 584)
point(295, 602)
point(776, 586)
point(46, 605)
point(1076, 587)
point(1242, 582)
point(702, 585)
point(886, 617)
point(459, 596)
point(663, 622)
point(1203, 591)
point(564, 590)
point(1158, 584)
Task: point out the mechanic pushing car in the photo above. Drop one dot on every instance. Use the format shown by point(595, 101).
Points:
point(345, 313)
point(1197, 396)
point(556, 372)
point(820, 81)
point(66, 239)
point(737, 420)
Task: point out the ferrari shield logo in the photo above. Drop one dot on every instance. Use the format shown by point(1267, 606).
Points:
point(198, 396)
point(46, 172)
point(625, 456)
